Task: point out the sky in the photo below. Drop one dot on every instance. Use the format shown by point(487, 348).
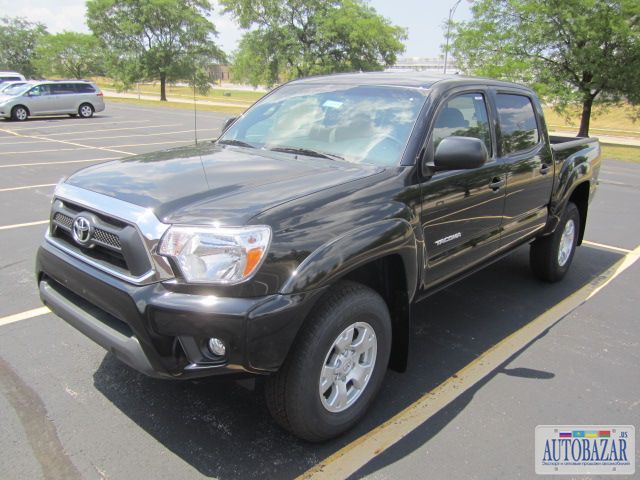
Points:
point(423, 18)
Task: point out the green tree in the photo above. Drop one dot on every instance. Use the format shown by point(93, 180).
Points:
point(70, 54)
point(164, 40)
point(572, 51)
point(18, 41)
point(296, 38)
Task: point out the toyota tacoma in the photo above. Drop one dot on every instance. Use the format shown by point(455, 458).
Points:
point(294, 245)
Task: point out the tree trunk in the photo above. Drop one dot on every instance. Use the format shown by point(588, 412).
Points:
point(163, 87)
point(587, 103)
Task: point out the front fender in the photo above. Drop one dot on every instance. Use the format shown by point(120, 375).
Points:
point(353, 249)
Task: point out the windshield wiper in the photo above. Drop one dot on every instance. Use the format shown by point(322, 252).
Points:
point(308, 152)
point(237, 143)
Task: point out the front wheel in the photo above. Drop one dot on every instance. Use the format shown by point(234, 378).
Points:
point(85, 110)
point(550, 257)
point(19, 113)
point(336, 366)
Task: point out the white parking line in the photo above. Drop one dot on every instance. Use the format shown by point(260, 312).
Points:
point(139, 135)
point(49, 150)
point(19, 141)
point(21, 225)
point(15, 165)
point(13, 189)
point(155, 143)
point(61, 141)
point(36, 312)
point(349, 459)
point(606, 247)
point(146, 127)
point(66, 123)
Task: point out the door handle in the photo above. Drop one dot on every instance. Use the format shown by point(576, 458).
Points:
point(496, 183)
point(544, 169)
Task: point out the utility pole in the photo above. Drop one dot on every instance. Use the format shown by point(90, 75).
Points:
point(452, 10)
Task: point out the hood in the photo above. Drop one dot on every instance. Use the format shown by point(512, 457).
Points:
point(210, 183)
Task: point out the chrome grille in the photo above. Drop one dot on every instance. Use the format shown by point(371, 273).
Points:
point(106, 238)
point(123, 241)
point(63, 220)
point(99, 235)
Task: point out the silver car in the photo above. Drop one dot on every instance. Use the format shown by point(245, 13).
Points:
point(5, 85)
point(51, 98)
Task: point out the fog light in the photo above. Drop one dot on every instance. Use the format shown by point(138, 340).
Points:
point(216, 346)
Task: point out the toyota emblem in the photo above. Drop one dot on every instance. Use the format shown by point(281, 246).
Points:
point(82, 230)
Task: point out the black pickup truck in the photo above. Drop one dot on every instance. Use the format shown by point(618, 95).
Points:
point(294, 245)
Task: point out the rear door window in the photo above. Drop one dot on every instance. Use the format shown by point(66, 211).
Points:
point(62, 89)
point(518, 126)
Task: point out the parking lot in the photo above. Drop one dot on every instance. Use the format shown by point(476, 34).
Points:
point(68, 409)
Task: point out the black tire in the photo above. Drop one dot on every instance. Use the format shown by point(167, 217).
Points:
point(293, 394)
point(86, 110)
point(545, 258)
point(19, 113)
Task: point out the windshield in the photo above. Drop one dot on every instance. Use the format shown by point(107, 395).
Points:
point(361, 124)
point(15, 89)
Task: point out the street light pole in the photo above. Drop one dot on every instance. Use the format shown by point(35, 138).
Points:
point(452, 10)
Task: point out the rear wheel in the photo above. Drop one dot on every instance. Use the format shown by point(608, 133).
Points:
point(336, 366)
point(550, 257)
point(19, 113)
point(85, 110)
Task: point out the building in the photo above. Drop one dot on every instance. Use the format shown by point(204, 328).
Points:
point(421, 64)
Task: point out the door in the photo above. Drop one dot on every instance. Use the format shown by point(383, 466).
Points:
point(64, 97)
point(462, 209)
point(39, 100)
point(529, 167)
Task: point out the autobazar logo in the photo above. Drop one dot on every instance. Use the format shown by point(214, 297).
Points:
point(581, 449)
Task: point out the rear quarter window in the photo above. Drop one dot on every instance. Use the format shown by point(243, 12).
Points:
point(518, 126)
point(84, 88)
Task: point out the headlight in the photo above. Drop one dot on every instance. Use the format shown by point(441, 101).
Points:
point(216, 255)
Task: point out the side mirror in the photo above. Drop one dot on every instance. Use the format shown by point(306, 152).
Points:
point(460, 153)
point(227, 123)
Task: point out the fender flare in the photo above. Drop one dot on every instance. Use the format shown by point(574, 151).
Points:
point(573, 174)
point(355, 248)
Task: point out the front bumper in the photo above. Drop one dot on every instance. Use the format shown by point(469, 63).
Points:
point(162, 330)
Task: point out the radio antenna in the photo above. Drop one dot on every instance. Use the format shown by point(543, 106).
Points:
point(195, 112)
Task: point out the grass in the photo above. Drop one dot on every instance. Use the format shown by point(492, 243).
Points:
point(183, 106)
point(217, 94)
point(621, 152)
point(615, 121)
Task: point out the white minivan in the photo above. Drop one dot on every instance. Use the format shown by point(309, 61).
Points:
point(59, 97)
point(10, 77)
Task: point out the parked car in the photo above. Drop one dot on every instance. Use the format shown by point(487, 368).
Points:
point(71, 97)
point(10, 77)
point(294, 246)
point(4, 86)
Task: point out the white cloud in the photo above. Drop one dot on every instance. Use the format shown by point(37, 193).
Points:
point(228, 32)
point(56, 15)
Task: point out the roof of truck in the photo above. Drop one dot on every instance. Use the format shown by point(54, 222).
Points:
point(412, 79)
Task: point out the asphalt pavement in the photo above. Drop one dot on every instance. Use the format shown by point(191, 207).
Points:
point(70, 410)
